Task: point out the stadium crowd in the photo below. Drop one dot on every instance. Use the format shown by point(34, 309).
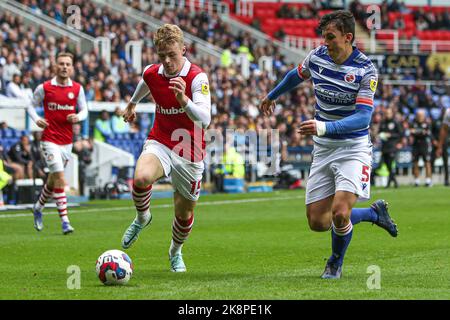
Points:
point(27, 56)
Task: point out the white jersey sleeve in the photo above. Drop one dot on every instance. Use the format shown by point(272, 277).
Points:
point(142, 89)
point(38, 97)
point(368, 86)
point(199, 108)
point(82, 105)
point(303, 68)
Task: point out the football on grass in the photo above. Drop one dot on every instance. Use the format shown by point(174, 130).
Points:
point(114, 267)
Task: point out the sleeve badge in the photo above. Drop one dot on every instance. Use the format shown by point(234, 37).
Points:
point(373, 84)
point(205, 89)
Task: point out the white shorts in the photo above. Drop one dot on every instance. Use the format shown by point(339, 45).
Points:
point(186, 175)
point(56, 156)
point(339, 169)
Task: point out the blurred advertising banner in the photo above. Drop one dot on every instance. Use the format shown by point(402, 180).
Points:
point(398, 63)
point(443, 59)
point(409, 63)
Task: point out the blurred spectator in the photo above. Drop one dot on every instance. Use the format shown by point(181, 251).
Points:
point(14, 169)
point(13, 89)
point(83, 148)
point(5, 179)
point(2, 82)
point(421, 133)
point(436, 131)
point(399, 23)
point(10, 68)
point(102, 127)
point(20, 153)
point(422, 24)
point(437, 73)
point(283, 12)
point(118, 125)
point(357, 9)
point(394, 6)
point(390, 135)
point(40, 169)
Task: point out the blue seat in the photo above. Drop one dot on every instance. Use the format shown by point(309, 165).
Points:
point(435, 113)
point(112, 136)
point(135, 136)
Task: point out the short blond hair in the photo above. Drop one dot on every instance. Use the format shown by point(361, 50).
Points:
point(167, 34)
point(65, 54)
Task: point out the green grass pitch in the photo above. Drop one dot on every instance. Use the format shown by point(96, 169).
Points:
point(246, 246)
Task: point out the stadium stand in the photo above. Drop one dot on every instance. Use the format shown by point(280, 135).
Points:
point(235, 98)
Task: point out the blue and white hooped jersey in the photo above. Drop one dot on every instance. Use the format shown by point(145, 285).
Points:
point(340, 89)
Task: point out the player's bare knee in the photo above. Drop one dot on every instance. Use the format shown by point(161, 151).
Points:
point(318, 225)
point(341, 217)
point(142, 181)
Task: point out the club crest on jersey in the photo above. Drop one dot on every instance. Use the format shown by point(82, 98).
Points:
point(71, 95)
point(350, 77)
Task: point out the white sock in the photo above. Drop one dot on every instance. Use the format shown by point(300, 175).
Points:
point(417, 181)
point(64, 219)
point(175, 248)
point(428, 180)
point(143, 218)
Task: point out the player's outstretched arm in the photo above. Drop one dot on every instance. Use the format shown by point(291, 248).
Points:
point(267, 106)
point(289, 82)
point(129, 114)
point(142, 90)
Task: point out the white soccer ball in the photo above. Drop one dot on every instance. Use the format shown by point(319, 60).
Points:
point(114, 267)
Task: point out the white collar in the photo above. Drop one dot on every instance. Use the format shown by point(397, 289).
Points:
point(53, 82)
point(184, 71)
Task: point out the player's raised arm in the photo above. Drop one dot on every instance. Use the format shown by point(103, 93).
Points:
point(199, 108)
point(82, 107)
point(38, 97)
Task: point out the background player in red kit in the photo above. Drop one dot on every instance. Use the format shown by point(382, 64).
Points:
point(175, 146)
point(60, 96)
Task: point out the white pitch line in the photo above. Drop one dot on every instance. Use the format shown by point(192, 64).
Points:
point(206, 203)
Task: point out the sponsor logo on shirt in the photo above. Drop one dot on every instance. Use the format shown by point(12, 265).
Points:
point(334, 96)
point(52, 106)
point(167, 111)
point(350, 77)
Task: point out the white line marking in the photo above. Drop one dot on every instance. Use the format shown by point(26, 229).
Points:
point(206, 203)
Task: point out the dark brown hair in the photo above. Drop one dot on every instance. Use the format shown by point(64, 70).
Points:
point(342, 19)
